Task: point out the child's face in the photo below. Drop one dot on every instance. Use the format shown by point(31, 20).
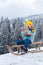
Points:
point(31, 26)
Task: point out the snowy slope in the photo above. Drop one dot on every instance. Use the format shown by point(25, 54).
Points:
point(27, 59)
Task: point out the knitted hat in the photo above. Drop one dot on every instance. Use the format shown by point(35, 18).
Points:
point(28, 22)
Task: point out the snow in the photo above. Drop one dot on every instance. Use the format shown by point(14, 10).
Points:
point(27, 59)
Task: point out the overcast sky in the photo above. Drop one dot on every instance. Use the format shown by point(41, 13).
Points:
point(19, 8)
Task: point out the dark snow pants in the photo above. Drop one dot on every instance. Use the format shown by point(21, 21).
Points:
point(25, 42)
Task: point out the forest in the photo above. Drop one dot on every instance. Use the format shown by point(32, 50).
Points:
point(10, 30)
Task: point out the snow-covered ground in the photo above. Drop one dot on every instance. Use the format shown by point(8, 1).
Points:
point(27, 59)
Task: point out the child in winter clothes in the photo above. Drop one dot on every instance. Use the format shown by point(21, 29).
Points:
point(28, 35)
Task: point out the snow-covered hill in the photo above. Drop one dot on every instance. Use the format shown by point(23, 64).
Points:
point(27, 59)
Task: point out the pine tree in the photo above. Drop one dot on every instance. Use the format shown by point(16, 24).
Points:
point(42, 28)
point(38, 32)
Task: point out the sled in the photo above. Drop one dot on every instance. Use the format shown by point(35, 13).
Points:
point(20, 50)
point(11, 51)
point(35, 51)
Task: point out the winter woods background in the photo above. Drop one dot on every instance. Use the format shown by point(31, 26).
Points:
point(10, 30)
